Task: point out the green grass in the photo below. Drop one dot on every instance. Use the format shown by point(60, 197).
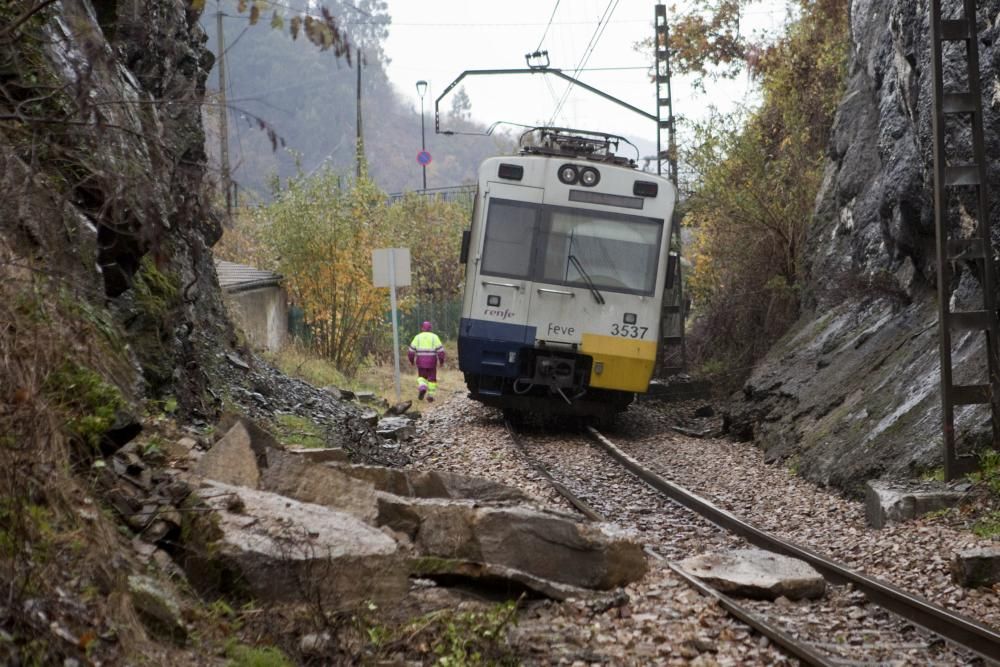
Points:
point(375, 377)
point(988, 525)
point(989, 470)
point(449, 638)
point(938, 514)
point(933, 475)
point(300, 432)
point(299, 362)
point(247, 656)
point(89, 401)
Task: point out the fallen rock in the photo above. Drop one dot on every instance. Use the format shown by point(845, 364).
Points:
point(261, 440)
point(894, 502)
point(238, 362)
point(157, 605)
point(396, 428)
point(335, 392)
point(369, 416)
point(317, 643)
point(279, 549)
point(542, 544)
point(976, 567)
point(184, 448)
point(296, 477)
point(232, 460)
point(495, 577)
point(322, 454)
point(756, 573)
point(435, 484)
point(399, 408)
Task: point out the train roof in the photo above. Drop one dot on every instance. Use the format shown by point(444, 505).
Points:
point(578, 144)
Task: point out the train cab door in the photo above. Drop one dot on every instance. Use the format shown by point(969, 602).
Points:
point(496, 326)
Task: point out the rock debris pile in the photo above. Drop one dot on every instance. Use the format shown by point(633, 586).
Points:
point(245, 516)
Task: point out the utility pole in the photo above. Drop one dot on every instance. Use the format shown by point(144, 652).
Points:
point(421, 91)
point(673, 348)
point(223, 114)
point(359, 142)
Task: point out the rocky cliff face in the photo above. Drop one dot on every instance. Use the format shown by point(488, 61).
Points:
point(102, 158)
point(852, 391)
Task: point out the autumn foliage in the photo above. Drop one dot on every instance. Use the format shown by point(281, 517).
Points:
point(758, 175)
point(319, 233)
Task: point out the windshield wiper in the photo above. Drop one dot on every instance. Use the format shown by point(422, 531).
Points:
point(590, 283)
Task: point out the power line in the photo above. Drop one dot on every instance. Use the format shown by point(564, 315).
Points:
point(588, 50)
point(547, 26)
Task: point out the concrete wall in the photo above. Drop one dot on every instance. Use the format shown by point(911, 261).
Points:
point(262, 315)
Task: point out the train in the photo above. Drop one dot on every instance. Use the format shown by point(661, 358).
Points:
point(567, 257)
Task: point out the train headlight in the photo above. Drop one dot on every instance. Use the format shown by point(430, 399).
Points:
point(589, 177)
point(629, 318)
point(568, 174)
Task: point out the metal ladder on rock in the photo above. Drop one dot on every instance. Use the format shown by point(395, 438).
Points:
point(950, 176)
point(673, 351)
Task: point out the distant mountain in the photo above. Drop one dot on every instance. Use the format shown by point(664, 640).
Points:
point(309, 98)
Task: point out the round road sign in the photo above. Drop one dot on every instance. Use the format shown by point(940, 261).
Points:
point(424, 158)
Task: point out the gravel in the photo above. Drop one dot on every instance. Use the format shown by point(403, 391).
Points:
point(914, 556)
point(664, 621)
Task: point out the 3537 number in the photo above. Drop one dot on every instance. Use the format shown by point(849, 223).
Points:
point(628, 331)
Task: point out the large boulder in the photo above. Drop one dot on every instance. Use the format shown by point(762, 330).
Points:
point(435, 484)
point(278, 513)
point(233, 459)
point(544, 544)
point(274, 548)
point(293, 476)
point(756, 573)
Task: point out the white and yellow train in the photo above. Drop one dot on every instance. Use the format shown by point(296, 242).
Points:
point(566, 259)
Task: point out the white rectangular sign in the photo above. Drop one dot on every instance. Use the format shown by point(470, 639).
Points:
point(400, 258)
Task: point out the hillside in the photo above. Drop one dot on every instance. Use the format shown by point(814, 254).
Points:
point(309, 98)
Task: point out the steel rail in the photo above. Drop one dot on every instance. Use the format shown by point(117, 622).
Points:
point(797, 648)
point(945, 623)
point(794, 647)
point(571, 497)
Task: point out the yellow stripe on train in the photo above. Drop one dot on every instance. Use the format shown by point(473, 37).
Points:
point(626, 364)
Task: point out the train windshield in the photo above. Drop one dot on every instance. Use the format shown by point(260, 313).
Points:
point(558, 245)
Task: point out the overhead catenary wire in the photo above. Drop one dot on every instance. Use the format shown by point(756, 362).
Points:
point(588, 50)
point(547, 26)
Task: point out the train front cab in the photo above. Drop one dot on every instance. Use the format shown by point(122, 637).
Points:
point(586, 362)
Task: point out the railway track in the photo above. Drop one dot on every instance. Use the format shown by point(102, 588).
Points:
point(861, 598)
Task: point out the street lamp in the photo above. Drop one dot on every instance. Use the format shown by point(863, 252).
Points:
point(421, 90)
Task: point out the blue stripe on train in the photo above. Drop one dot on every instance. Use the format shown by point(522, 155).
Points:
point(484, 347)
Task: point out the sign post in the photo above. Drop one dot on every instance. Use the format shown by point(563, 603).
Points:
point(391, 268)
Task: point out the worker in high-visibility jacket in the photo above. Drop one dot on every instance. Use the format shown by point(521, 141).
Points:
point(426, 351)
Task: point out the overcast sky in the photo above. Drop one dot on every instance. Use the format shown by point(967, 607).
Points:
point(436, 40)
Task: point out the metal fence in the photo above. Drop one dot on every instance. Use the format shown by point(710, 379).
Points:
point(459, 193)
point(444, 316)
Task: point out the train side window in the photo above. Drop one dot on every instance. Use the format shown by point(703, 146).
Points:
point(510, 238)
point(463, 256)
